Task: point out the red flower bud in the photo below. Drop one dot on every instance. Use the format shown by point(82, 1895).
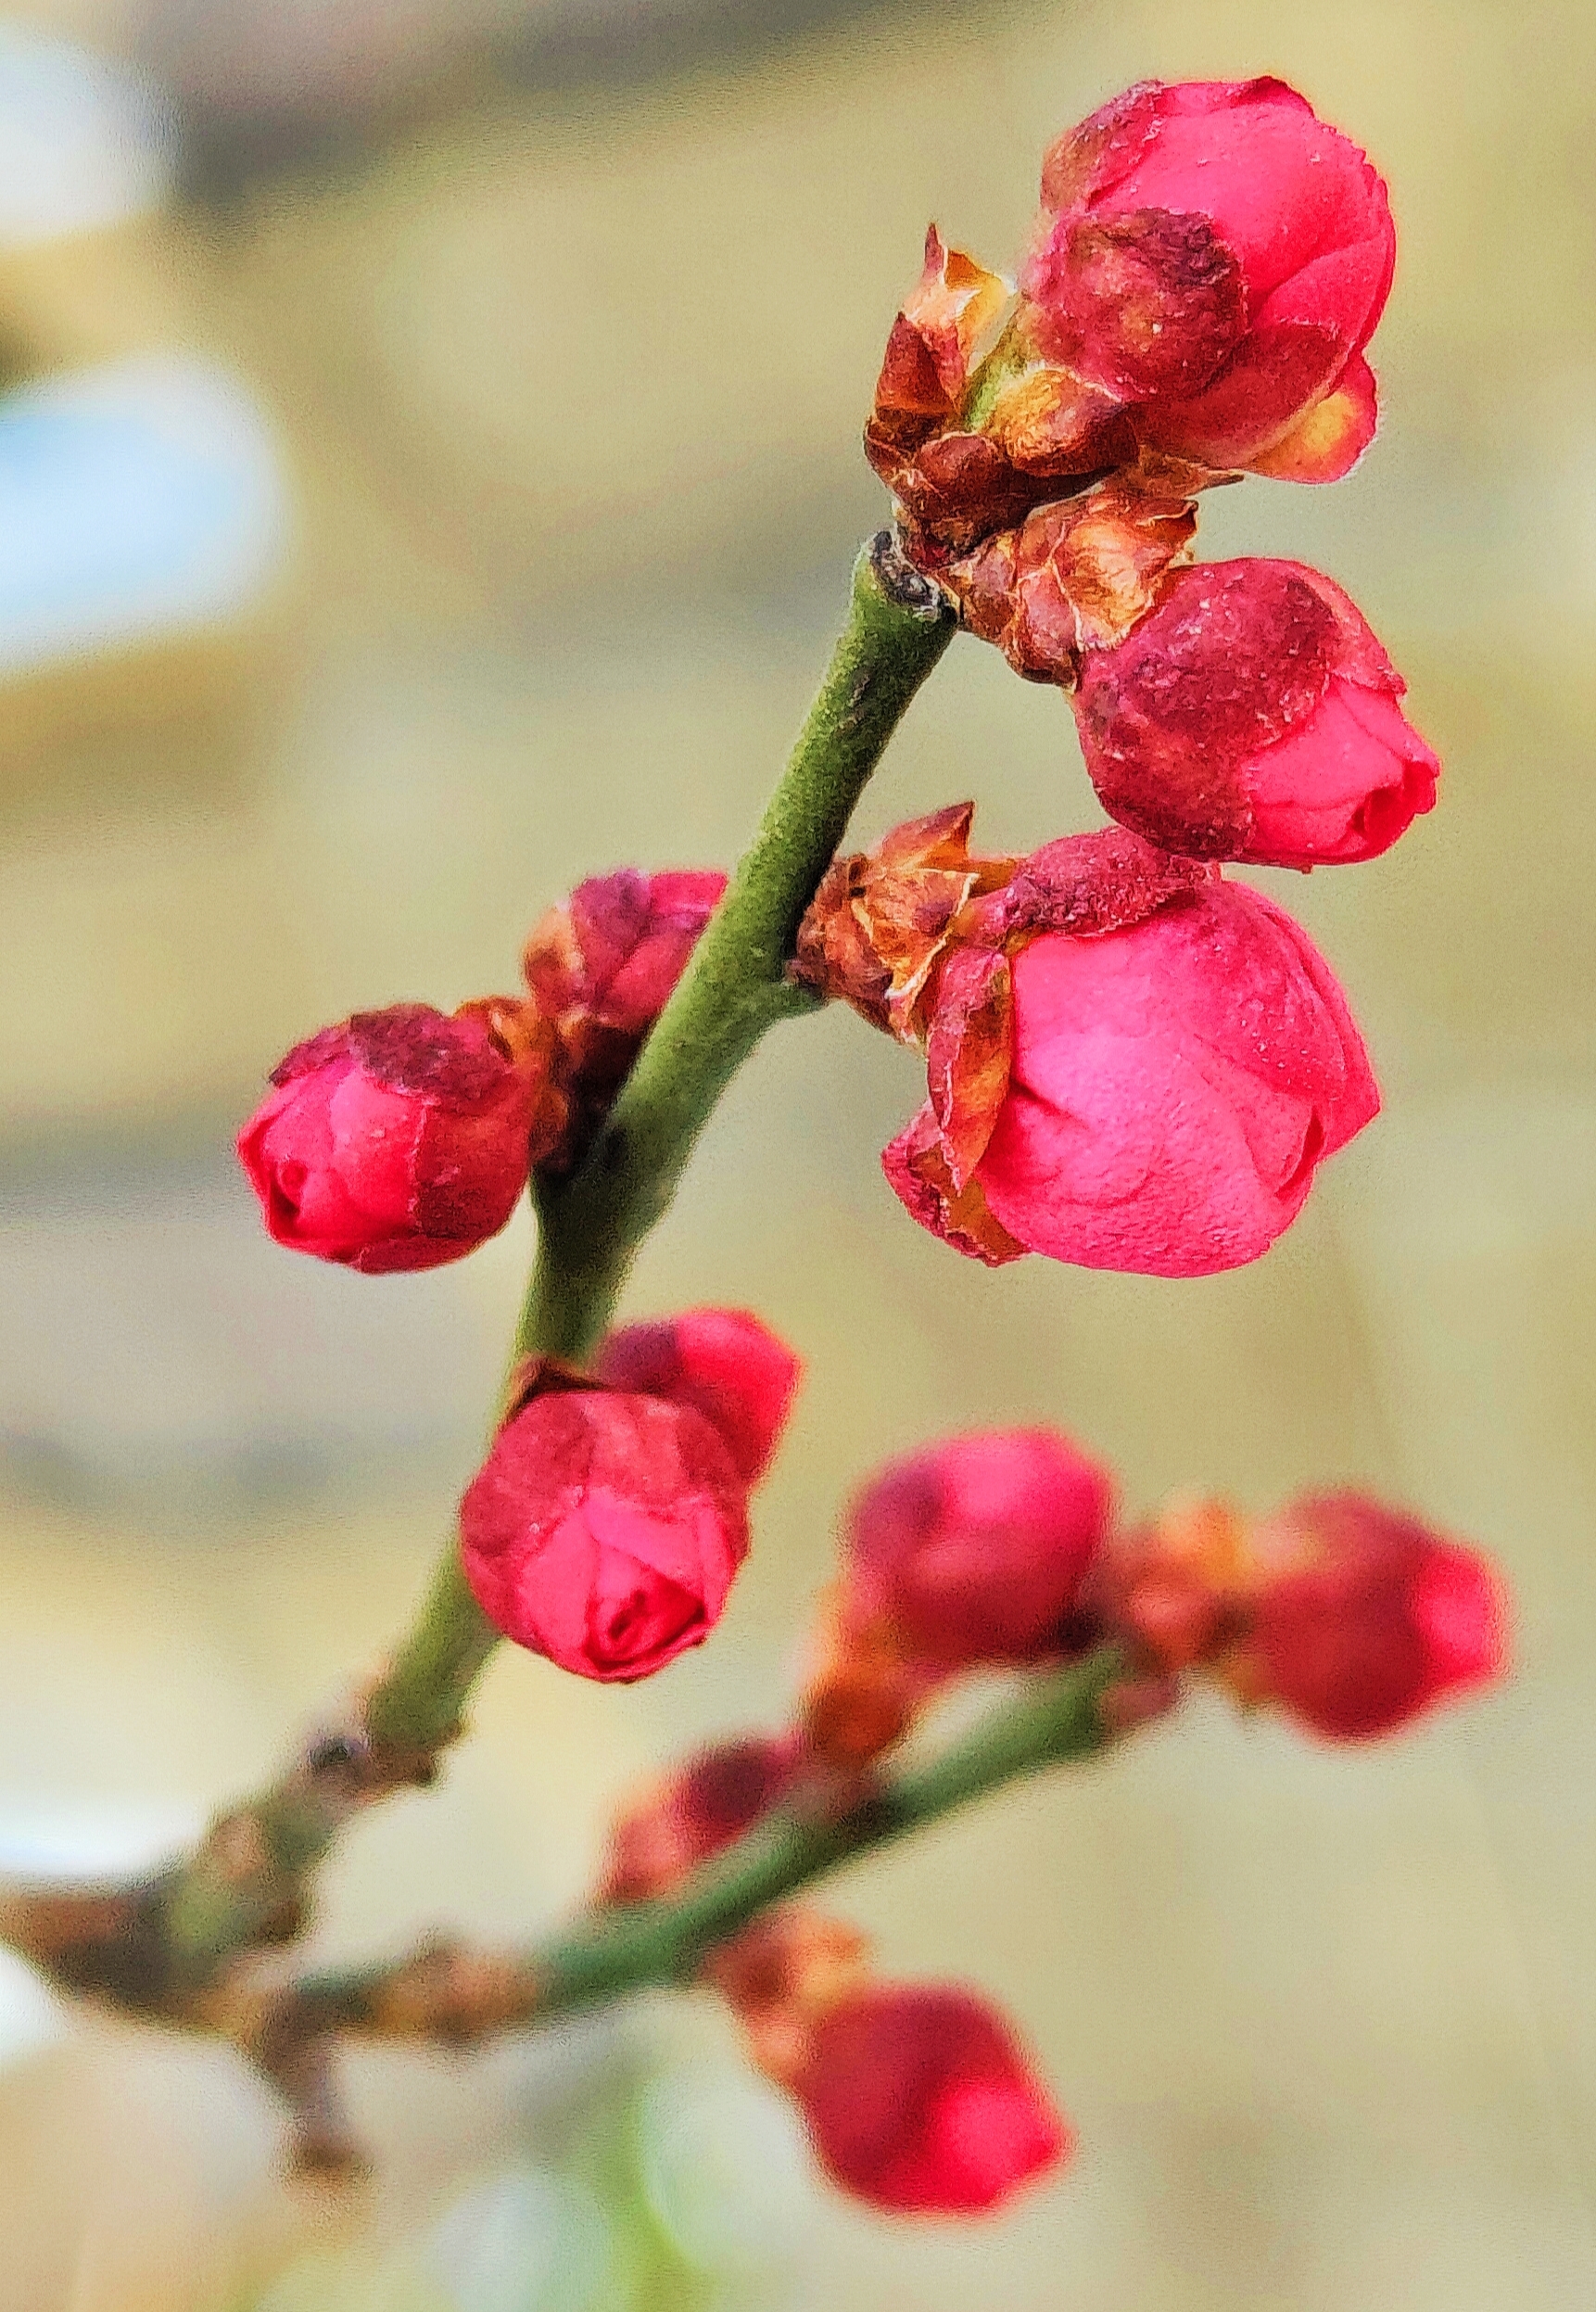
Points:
point(694, 1813)
point(1253, 716)
point(402, 1138)
point(1212, 253)
point(1171, 1085)
point(722, 1362)
point(1363, 1617)
point(918, 2100)
point(604, 1530)
point(604, 965)
point(974, 1550)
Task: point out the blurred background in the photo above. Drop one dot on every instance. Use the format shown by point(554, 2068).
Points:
point(428, 473)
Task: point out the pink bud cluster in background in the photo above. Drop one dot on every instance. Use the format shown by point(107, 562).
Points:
point(1003, 1550)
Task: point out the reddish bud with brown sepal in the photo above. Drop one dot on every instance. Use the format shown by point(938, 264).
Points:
point(402, 1138)
point(1131, 1064)
point(601, 967)
point(689, 1815)
point(1253, 716)
point(1217, 257)
point(724, 1363)
point(1360, 1617)
point(919, 2100)
point(605, 1528)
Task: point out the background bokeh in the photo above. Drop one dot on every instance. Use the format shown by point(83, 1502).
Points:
point(428, 473)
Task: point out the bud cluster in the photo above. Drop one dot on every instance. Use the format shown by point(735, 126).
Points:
point(404, 1139)
point(1208, 263)
point(1003, 1551)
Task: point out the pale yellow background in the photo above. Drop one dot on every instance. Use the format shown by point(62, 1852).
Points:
point(570, 387)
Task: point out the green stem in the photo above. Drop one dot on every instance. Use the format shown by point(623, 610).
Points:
point(735, 986)
point(249, 1871)
point(1057, 1717)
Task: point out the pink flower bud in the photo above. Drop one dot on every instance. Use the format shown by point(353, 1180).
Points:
point(918, 2100)
point(1171, 1086)
point(722, 1362)
point(974, 1550)
point(402, 1138)
point(1253, 716)
point(604, 1530)
point(1363, 1617)
point(694, 1813)
point(603, 966)
point(1213, 253)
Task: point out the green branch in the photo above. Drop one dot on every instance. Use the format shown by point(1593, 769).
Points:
point(246, 1881)
point(1054, 1718)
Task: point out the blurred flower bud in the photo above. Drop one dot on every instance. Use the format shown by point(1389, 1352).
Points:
point(1361, 1617)
point(1215, 256)
point(605, 1528)
point(974, 1550)
point(918, 2100)
point(1168, 1592)
point(692, 1813)
point(400, 1139)
point(1253, 716)
point(780, 1975)
point(602, 967)
point(1131, 1065)
point(724, 1363)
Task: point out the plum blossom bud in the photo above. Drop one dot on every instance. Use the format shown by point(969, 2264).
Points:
point(400, 1139)
point(692, 1813)
point(918, 2100)
point(1131, 1065)
point(1361, 1617)
point(722, 1362)
point(1214, 256)
point(1253, 716)
point(602, 966)
point(974, 1550)
point(604, 1529)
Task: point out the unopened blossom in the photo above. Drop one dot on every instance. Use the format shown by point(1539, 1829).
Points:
point(1361, 1617)
point(604, 1530)
point(1253, 716)
point(1131, 1065)
point(602, 966)
point(1216, 257)
point(402, 1138)
point(722, 1362)
point(919, 2100)
point(974, 1550)
point(693, 1812)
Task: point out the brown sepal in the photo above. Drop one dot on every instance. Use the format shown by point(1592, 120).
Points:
point(951, 307)
point(917, 1166)
point(1073, 576)
point(968, 1055)
point(879, 924)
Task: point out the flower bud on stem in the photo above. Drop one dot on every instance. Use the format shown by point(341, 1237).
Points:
point(246, 1881)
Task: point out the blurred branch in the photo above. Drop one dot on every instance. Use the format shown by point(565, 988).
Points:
point(156, 1945)
point(445, 1992)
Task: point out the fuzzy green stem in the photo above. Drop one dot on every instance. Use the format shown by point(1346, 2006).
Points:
point(247, 1876)
point(1056, 1718)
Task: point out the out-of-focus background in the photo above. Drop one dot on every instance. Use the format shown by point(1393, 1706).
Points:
point(428, 473)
